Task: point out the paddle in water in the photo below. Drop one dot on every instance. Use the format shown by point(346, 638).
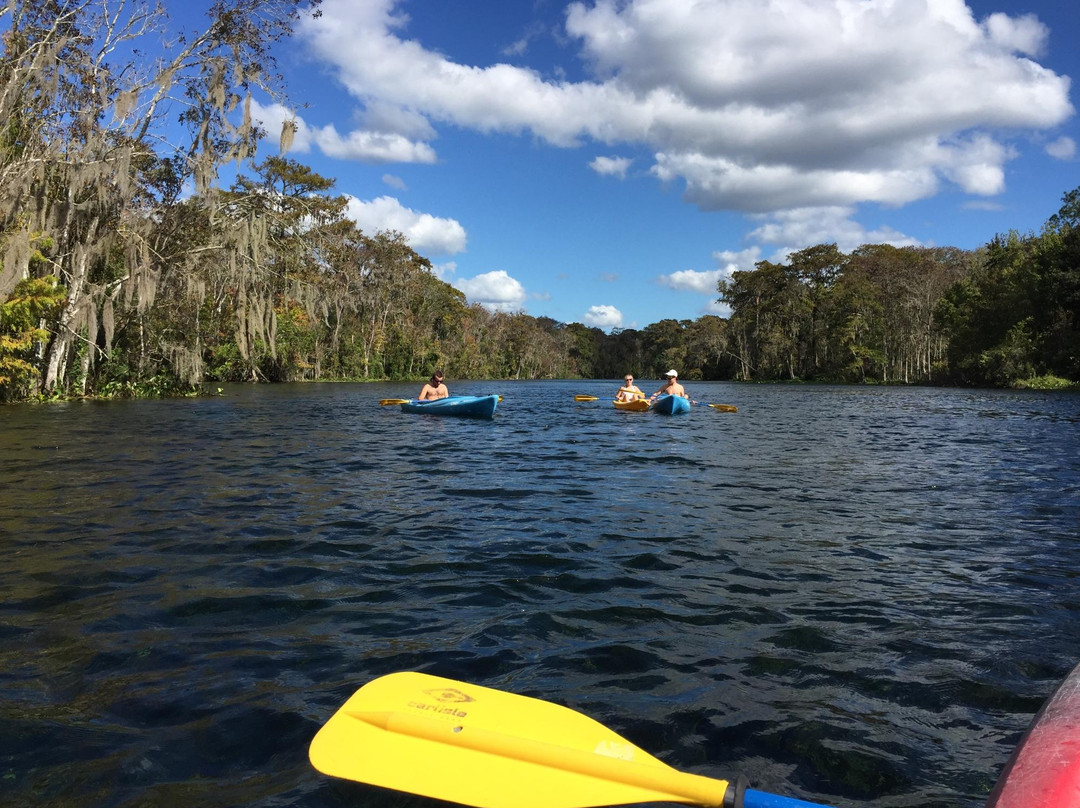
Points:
point(477, 746)
point(721, 407)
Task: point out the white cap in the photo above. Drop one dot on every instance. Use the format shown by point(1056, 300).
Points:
point(674, 373)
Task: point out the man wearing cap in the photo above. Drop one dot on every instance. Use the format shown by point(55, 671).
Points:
point(671, 387)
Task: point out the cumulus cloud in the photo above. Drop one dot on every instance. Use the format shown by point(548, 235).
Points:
point(394, 182)
point(705, 282)
point(1023, 34)
point(752, 107)
point(425, 233)
point(271, 117)
point(444, 271)
point(1064, 148)
point(603, 317)
point(363, 145)
point(371, 147)
point(496, 291)
point(793, 230)
point(691, 280)
point(611, 166)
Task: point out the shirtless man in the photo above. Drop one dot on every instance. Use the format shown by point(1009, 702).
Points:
point(435, 388)
point(671, 387)
point(628, 392)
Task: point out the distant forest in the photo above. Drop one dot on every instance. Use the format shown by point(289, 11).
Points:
point(128, 269)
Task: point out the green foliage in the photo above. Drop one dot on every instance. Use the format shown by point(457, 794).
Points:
point(33, 301)
point(160, 386)
point(1017, 316)
point(225, 364)
point(1045, 383)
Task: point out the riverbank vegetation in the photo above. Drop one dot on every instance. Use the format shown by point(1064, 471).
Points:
point(130, 265)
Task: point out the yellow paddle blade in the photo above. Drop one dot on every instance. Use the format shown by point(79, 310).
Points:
point(585, 398)
point(477, 746)
point(725, 407)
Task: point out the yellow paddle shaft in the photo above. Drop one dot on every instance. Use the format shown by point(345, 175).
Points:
point(683, 787)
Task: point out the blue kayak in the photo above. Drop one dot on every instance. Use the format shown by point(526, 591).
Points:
point(671, 405)
point(461, 406)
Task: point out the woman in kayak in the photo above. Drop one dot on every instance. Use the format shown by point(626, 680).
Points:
point(435, 388)
point(628, 392)
point(671, 387)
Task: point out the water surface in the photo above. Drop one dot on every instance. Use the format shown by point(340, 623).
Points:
point(854, 596)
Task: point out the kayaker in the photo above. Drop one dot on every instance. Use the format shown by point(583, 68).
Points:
point(671, 387)
point(435, 388)
point(628, 392)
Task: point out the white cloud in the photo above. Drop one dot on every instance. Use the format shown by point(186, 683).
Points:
point(603, 317)
point(740, 260)
point(445, 271)
point(692, 280)
point(1064, 148)
point(795, 230)
point(271, 117)
point(715, 306)
point(977, 165)
point(611, 166)
point(379, 115)
point(364, 145)
point(371, 147)
point(1023, 34)
point(755, 107)
point(424, 232)
point(394, 182)
point(496, 291)
point(705, 282)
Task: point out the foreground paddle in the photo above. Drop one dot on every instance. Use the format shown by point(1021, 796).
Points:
point(586, 398)
point(477, 746)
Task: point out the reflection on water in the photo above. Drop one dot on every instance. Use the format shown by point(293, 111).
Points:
point(850, 595)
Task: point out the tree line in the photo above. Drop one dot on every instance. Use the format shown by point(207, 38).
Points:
point(128, 267)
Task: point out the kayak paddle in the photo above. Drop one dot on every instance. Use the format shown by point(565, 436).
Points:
point(477, 746)
point(386, 401)
point(586, 398)
point(721, 407)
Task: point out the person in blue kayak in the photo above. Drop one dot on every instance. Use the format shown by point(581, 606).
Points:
point(435, 388)
point(671, 387)
point(628, 392)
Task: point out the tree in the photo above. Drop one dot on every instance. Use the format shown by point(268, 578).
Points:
point(86, 114)
point(32, 301)
point(767, 305)
point(708, 351)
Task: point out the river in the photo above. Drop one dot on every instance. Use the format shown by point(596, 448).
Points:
point(857, 596)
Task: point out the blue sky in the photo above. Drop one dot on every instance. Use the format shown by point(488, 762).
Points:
point(607, 162)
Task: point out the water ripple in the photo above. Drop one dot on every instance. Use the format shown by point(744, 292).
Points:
point(856, 596)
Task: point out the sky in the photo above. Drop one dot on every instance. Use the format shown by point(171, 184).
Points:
point(607, 162)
